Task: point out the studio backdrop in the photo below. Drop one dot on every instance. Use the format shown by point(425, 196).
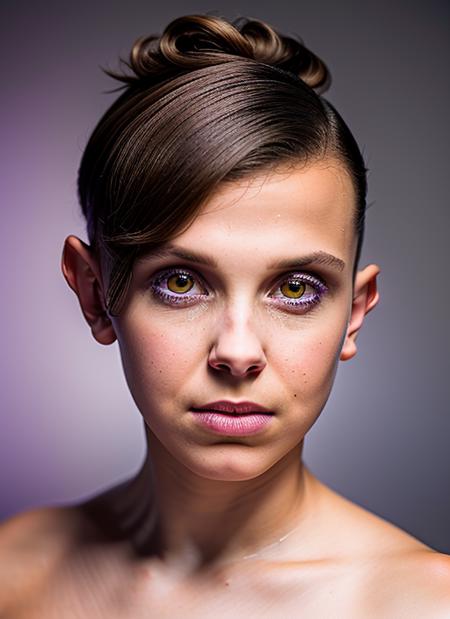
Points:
point(69, 427)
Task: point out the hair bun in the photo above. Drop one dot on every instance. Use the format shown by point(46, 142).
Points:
point(196, 41)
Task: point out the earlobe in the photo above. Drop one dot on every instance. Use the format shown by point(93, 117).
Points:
point(82, 273)
point(365, 298)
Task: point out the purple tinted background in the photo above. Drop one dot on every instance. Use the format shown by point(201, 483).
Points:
point(69, 427)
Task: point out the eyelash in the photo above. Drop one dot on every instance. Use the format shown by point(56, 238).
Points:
point(310, 301)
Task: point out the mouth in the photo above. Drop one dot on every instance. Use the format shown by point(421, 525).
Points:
point(233, 408)
point(234, 423)
point(233, 414)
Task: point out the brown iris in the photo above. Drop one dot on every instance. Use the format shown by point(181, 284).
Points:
point(293, 290)
point(179, 283)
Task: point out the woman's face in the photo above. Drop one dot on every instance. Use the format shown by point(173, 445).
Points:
point(244, 326)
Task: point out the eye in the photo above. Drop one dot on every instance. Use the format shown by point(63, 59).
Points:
point(178, 286)
point(173, 286)
point(300, 290)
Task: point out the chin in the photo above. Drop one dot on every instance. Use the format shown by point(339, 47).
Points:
point(231, 462)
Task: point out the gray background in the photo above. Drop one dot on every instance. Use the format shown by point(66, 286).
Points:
point(69, 427)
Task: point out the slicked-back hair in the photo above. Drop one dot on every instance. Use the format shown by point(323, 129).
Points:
point(207, 102)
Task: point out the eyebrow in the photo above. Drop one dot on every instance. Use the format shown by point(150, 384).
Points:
point(317, 257)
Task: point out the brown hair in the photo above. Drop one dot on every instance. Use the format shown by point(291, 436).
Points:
point(207, 102)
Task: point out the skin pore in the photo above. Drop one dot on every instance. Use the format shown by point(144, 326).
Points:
point(232, 332)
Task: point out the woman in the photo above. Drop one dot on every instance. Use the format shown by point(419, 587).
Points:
point(225, 201)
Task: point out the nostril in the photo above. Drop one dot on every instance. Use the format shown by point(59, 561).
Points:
point(220, 366)
point(236, 369)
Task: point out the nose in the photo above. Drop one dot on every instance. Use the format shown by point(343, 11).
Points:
point(237, 349)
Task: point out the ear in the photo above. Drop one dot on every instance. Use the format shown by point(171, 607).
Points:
point(365, 297)
point(83, 275)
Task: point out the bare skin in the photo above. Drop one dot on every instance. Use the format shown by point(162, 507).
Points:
point(195, 533)
point(72, 562)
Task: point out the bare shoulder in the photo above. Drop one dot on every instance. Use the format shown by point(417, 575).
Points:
point(32, 544)
point(404, 576)
point(414, 583)
point(45, 545)
point(396, 574)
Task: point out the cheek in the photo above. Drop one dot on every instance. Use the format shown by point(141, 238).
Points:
point(156, 358)
point(308, 360)
point(162, 357)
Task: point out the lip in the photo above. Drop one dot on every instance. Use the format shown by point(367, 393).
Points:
point(232, 408)
point(232, 424)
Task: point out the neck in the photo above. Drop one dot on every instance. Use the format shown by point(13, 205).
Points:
point(189, 521)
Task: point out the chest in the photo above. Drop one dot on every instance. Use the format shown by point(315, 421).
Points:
point(267, 595)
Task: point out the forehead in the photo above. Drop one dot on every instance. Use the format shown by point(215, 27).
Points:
point(305, 209)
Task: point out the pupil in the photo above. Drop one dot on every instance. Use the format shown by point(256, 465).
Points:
point(296, 289)
point(179, 281)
